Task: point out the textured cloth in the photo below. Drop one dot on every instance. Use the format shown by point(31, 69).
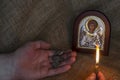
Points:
point(52, 21)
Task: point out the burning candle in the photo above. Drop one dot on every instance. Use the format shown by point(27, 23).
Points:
point(97, 60)
point(97, 56)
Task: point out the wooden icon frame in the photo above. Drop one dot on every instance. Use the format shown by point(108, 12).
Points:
point(85, 37)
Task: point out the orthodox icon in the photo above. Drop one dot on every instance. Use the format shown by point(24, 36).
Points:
point(91, 28)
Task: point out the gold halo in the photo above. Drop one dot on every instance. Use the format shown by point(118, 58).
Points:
point(86, 25)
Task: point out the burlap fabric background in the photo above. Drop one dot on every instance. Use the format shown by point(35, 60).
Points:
point(52, 21)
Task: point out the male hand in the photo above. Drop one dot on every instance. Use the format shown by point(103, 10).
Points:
point(93, 76)
point(33, 61)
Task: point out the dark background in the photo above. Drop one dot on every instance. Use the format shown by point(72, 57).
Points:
point(52, 21)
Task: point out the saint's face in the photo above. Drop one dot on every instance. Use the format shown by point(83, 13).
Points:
point(91, 28)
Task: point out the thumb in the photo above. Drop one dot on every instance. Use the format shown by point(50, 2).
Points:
point(101, 76)
point(41, 45)
point(91, 77)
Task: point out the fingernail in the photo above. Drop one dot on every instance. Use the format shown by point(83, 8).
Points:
point(68, 67)
point(93, 74)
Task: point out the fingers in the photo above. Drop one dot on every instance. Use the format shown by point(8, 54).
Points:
point(101, 76)
point(46, 55)
point(92, 77)
point(70, 59)
point(69, 54)
point(65, 55)
point(40, 44)
point(44, 45)
point(44, 61)
point(58, 70)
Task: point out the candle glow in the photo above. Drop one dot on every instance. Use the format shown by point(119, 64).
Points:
point(97, 54)
point(97, 61)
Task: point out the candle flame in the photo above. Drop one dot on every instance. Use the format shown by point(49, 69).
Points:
point(97, 54)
